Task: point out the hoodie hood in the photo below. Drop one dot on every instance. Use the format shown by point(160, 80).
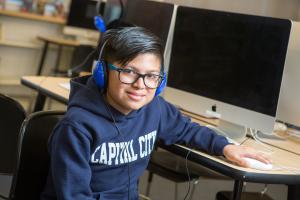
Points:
point(86, 95)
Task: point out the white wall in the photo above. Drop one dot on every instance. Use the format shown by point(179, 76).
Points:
point(20, 50)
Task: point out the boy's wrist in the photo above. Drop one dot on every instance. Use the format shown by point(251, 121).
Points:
point(227, 148)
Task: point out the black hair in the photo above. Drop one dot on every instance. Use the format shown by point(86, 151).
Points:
point(118, 23)
point(123, 44)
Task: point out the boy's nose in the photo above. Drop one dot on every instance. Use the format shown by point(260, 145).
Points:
point(139, 83)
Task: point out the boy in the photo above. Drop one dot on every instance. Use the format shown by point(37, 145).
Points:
point(103, 144)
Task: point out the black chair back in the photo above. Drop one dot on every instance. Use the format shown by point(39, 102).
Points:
point(11, 118)
point(33, 157)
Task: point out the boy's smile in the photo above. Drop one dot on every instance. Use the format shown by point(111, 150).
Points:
point(135, 96)
point(129, 97)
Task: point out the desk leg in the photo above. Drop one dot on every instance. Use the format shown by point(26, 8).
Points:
point(150, 177)
point(237, 190)
point(293, 192)
point(42, 61)
point(39, 102)
point(56, 69)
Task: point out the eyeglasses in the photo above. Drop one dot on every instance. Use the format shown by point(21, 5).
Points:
point(130, 76)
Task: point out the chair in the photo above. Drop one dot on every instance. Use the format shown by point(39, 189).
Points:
point(12, 116)
point(173, 168)
point(33, 158)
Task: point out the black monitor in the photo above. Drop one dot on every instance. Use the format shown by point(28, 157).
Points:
point(80, 21)
point(81, 14)
point(155, 16)
point(228, 65)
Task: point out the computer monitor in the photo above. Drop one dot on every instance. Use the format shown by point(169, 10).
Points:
point(80, 21)
point(289, 100)
point(228, 65)
point(155, 16)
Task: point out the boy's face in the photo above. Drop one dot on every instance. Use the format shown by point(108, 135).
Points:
point(128, 97)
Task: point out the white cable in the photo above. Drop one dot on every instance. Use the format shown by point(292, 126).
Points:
point(264, 191)
point(258, 140)
point(245, 130)
point(294, 133)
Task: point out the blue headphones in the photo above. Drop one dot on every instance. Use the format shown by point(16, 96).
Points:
point(100, 74)
point(99, 24)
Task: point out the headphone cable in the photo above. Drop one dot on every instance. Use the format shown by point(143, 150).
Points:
point(72, 70)
point(119, 134)
point(188, 175)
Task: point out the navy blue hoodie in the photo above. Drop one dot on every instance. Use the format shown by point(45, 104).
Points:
point(99, 153)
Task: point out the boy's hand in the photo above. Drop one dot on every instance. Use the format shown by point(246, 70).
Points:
point(235, 154)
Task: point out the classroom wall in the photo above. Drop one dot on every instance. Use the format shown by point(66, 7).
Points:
point(20, 50)
point(23, 60)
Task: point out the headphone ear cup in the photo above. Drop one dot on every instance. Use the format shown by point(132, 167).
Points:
point(100, 75)
point(162, 85)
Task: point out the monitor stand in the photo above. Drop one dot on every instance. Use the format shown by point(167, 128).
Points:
point(233, 132)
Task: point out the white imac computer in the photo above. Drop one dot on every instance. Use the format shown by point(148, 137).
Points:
point(289, 100)
point(228, 66)
point(80, 21)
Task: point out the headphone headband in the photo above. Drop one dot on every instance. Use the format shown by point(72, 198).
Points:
point(102, 49)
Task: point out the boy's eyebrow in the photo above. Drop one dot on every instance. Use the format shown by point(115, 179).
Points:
point(135, 69)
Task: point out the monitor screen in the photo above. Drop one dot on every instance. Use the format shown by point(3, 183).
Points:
point(232, 60)
point(80, 22)
point(155, 16)
point(82, 14)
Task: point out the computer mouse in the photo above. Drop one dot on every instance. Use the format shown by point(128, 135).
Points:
point(256, 164)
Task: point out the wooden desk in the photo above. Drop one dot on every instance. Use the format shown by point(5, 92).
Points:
point(288, 171)
point(57, 41)
point(47, 86)
point(288, 143)
point(288, 164)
